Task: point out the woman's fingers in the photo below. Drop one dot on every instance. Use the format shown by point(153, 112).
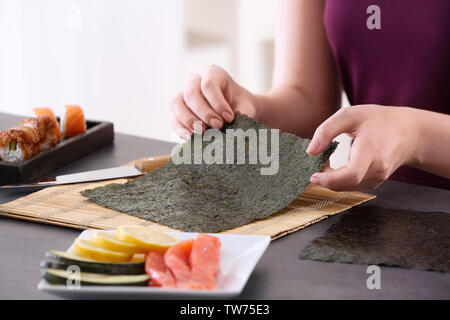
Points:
point(327, 167)
point(197, 103)
point(185, 133)
point(180, 130)
point(182, 113)
point(350, 177)
point(211, 99)
point(212, 83)
point(342, 121)
point(215, 98)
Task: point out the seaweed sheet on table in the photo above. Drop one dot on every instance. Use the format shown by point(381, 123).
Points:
point(216, 197)
point(391, 237)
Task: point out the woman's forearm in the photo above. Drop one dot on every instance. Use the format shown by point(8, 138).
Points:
point(433, 145)
point(306, 88)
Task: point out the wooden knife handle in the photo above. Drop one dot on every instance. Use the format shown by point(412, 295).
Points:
point(148, 164)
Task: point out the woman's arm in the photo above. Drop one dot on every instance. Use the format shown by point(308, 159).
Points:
point(432, 153)
point(306, 89)
point(385, 138)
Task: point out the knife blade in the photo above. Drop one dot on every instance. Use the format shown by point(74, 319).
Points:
point(141, 167)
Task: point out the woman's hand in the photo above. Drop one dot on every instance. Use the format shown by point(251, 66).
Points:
point(210, 98)
point(384, 139)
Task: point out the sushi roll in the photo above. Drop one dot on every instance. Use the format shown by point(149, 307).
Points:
point(32, 136)
point(18, 143)
point(44, 127)
point(73, 122)
point(40, 112)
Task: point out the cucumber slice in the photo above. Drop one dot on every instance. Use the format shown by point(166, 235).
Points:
point(57, 276)
point(62, 260)
point(13, 146)
point(53, 264)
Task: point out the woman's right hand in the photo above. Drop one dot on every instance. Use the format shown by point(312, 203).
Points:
point(211, 99)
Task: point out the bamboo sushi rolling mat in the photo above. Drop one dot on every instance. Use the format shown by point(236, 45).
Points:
point(65, 206)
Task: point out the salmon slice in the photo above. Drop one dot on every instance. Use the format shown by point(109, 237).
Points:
point(74, 122)
point(191, 284)
point(41, 112)
point(194, 264)
point(155, 267)
point(205, 261)
point(177, 260)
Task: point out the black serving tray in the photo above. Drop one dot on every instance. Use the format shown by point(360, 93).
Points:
point(97, 135)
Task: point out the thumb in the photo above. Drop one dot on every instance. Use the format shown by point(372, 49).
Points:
point(348, 177)
point(315, 178)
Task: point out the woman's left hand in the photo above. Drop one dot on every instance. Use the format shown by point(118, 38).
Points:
point(384, 139)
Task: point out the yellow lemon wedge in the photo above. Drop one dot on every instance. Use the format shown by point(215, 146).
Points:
point(107, 241)
point(145, 238)
point(86, 249)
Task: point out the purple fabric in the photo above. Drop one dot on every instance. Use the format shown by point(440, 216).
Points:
point(405, 63)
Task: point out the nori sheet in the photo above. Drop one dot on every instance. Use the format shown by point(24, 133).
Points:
point(390, 237)
point(216, 197)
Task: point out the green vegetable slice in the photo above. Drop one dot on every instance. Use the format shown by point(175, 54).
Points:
point(55, 276)
point(13, 146)
point(62, 260)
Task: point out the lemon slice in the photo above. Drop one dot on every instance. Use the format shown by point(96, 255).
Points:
point(107, 241)
point(85, 249)
point(138, 257)
point(145, 238)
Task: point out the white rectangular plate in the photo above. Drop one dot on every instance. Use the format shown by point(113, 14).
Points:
point(239, 255)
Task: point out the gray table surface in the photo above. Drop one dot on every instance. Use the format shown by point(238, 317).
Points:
point(278, 275)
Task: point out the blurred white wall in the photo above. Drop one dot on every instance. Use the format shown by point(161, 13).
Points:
point(123, 60)
point(11, 57)
point(118, 59)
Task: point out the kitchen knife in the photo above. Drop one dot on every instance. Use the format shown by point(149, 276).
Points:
point(141, 167)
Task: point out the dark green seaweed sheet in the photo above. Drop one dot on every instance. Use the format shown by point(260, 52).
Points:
point(391, 237)
point(216, 197)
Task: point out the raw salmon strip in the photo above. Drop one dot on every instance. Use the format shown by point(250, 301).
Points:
point(205, 260)
point(155, 267)
point(41, 112)
point(194, 264)
point(177, 260)
point(74, 122)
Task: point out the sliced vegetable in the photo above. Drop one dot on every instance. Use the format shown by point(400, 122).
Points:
point(52, 264)
point(138, 257)
point(55, 276)
point(145, 238)
point(65, 257)
point(86, 249)
point(107, 241)
point(13, 146)
point(62, 260)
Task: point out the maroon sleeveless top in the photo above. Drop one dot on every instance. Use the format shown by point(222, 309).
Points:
point(404, 63)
